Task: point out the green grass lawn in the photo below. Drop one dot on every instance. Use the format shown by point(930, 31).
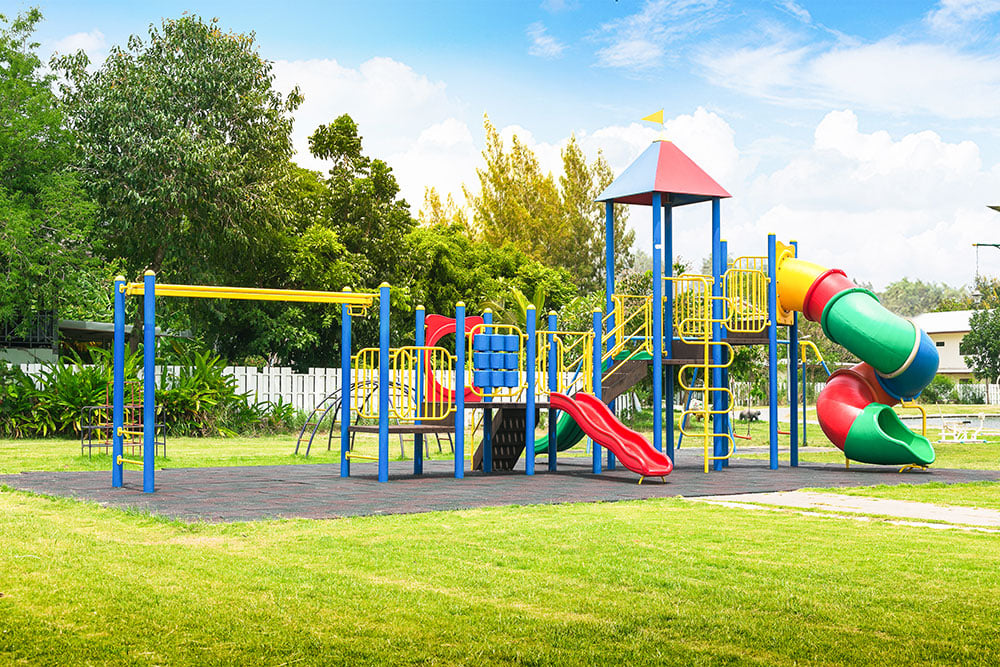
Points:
point(663, 581)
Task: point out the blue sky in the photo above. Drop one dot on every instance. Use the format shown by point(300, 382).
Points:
point(866, 130)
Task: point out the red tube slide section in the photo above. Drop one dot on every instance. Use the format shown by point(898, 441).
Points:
point(631, 449)
point(847, 393)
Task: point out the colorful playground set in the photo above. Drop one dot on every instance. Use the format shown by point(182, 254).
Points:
point(498, 376)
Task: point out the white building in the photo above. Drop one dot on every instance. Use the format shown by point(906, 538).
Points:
point(947, 330)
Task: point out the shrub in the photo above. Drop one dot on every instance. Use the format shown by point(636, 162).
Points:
point(940, 390)
point(971, 394)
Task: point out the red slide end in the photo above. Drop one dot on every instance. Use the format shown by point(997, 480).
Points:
point(596, 420)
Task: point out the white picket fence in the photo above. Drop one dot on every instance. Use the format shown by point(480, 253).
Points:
point(306, 390)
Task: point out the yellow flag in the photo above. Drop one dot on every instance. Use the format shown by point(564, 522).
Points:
point(655, 117)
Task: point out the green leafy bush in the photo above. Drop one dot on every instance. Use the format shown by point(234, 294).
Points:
point(940, 390)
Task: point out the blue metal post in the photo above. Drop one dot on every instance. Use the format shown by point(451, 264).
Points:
point(553, 386)
point(609, 288)
point(657, 334)
point(487, 411)
point(772, 352)
point(596, 449)
point(459, 390)
point(345, 388)
point(383, 382)
point(793, 384)
point(118, 391)
point(529, 410)
point(726, 426)
point(716, 375)
point(418, 438)
point(668, 320)
point(149, 382)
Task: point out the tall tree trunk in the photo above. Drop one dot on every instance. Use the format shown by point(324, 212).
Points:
point(136, 336)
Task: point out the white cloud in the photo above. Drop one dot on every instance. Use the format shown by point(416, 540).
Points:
point(444, 156)
point(877, 207)
point(889, 76)
point(637, 41)
point(391, 103)
point(796, 10)
point(952, 15)
point(91, 42)
point(543, 45)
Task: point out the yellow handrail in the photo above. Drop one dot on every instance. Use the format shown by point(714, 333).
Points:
point(574, 361)
point(361, 299)
point(404, 374)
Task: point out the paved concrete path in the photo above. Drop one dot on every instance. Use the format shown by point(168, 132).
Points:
point(912, 512)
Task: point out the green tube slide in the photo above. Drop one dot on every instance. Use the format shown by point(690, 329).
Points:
point(855, 319)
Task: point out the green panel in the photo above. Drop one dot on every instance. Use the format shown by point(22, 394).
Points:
point(568, 433)
point(855, 319)
point(878, 436)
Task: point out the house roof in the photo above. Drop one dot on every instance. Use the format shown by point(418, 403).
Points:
point(949, 321)
point(663, 168)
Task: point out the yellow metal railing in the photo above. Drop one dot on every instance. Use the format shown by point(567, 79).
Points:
point(355, 299)
point(745, 286)
point(630, 324)
point(574, 361)
point(692, 306)
point(497, 392)
point(404, 376)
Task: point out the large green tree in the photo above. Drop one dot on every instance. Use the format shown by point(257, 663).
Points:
point(981, 346)
point(555, 222)
point(46, 219)
point(911, 297)
point(184, 143)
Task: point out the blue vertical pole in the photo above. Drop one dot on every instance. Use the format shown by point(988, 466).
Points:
point(656, 335)
point(149, 382)
point(553, 386)
point(793, 384)
point(529, 410)
point(459, 390)
point(487, 411)
point(383, 382)
point(418, 438)
point(345, 388)
point(726, 426)
point(596, 449)
point(609, 288)
point(668, 320)
point(716, 375)
point(118, 390)
point(772, 352)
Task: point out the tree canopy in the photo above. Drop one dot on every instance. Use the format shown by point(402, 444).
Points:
point(981, 346)
point(555, 222)
point(46, 247)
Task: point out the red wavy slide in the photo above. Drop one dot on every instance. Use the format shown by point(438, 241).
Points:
point(597, 421)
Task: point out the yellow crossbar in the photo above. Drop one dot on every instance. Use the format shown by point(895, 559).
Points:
point(133, 462)
point(254, 293)
point(352, 455)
